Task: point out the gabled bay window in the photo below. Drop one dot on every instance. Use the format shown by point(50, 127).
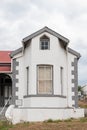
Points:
point(45, 79)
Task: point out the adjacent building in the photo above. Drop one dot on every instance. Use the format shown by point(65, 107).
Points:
point(84, 90)
point(5, 77)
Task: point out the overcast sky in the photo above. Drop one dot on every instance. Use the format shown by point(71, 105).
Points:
point(19, 18)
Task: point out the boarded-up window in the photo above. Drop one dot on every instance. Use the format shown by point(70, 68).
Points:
point(45, 79)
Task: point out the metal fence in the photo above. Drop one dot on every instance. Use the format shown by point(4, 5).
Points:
point(3, 101)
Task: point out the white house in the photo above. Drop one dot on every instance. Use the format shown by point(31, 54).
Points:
point(45, 78)
point(84, 90)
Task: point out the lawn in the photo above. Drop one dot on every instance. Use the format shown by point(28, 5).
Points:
point(70, 124)
point(83, 103)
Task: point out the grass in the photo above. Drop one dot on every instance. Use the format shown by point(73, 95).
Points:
point(83, 104)
point(83, 119)
point(4, 125)
point(57, 121)
point(69, 124)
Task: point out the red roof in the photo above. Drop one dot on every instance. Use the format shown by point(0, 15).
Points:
point(5, 57)
point(5, 68)
point(5, 61)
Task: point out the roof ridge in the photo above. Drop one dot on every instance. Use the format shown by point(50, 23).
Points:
point(47, 30)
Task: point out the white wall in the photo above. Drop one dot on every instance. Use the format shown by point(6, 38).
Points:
point(51, 57)
point(26, 115)
point(45, 102)
point(33, 56)
point(56, 56)
point(24, 60)
point(27, 63)
point(20, 77)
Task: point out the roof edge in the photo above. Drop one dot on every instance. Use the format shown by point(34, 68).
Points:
point(45, 29)
point(13, 53)
point(74, 52)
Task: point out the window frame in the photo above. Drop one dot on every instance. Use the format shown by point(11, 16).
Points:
point(39, 93)
point(44, 39)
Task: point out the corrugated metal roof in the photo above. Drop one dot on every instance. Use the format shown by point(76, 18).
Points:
point(5, 57)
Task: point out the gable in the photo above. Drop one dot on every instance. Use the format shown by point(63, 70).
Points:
point(62, 40)
point(46, 29)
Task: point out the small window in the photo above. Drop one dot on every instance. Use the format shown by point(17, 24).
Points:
point(44, 43)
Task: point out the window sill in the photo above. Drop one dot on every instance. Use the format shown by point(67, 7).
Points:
point(45, 95)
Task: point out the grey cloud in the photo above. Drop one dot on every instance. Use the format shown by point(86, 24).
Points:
point(13, 10)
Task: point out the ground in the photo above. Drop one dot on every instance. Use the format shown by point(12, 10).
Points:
point(83, 103)
point(70, 124)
